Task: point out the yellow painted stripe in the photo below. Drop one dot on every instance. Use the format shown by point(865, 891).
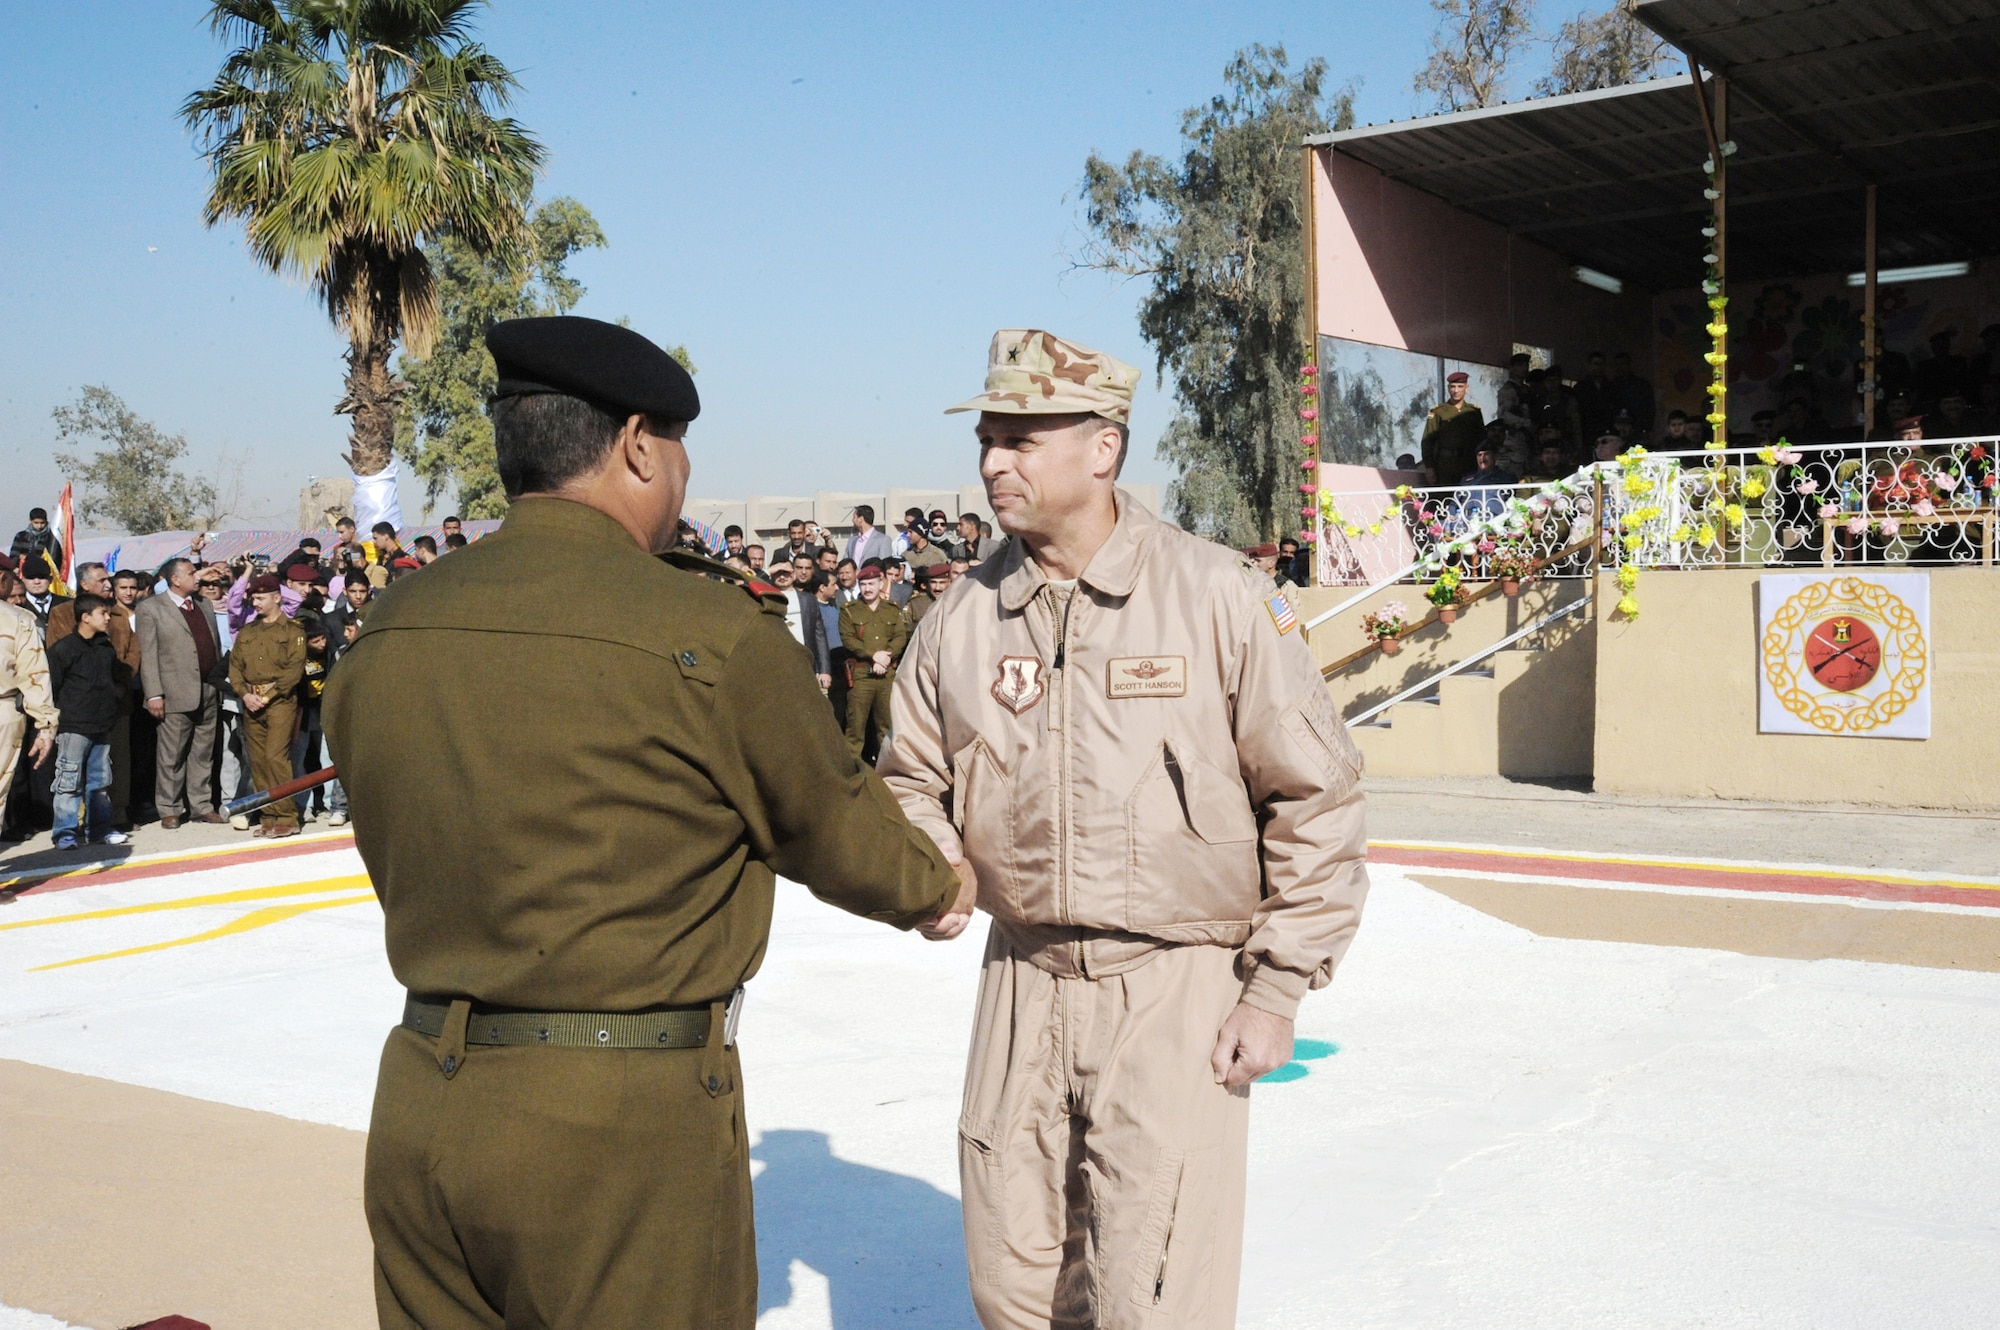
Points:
point(333, 839)
point(1704, 865)
point(270, 914)
point(321, 885)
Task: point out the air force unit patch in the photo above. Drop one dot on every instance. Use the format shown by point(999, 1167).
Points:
point(1020, 683)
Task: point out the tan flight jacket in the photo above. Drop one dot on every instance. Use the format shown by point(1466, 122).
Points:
point(24, 669)
point(1164, 768)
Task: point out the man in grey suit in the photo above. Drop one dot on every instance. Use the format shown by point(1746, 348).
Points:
point(178, 652)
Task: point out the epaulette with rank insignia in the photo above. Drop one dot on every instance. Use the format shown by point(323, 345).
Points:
point(769, 598)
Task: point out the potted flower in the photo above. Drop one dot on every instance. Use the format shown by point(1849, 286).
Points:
point(1383, 623)
point(1511, 565)
point(1446, 593)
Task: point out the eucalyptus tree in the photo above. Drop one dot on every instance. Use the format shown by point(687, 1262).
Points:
point(1218, 234)
point(344, 135)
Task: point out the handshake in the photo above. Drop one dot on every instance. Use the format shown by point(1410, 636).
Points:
point(958, 914)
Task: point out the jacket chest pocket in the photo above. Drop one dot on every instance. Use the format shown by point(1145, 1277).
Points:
point(982, 812)
point(1190, 843)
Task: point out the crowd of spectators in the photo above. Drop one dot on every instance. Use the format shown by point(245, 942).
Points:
point(852, 603)
point(150, 722)
point(1546, 426)
point(153, 717)
point(149, 713)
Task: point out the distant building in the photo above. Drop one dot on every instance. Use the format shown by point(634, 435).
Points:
point(324, 499)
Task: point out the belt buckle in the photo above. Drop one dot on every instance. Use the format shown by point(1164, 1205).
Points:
point(731, 1016)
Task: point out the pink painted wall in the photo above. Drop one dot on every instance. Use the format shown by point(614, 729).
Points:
point(1402, 268)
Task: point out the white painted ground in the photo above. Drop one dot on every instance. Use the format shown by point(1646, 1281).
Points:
point(1516, 1131)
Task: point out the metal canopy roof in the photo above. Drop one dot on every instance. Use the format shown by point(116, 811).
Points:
point(1824, 97)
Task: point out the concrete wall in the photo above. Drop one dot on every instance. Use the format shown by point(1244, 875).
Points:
point(1402, 268)
point(1677, 704)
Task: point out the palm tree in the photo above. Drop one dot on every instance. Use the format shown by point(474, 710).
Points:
point(345, 133)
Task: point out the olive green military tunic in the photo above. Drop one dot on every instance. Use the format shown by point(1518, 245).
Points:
point(573, 772)
point(864, 632)
point(269, 659)
point(1452, 435)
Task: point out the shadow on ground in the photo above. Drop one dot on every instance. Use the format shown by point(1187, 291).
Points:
point(891, 1247)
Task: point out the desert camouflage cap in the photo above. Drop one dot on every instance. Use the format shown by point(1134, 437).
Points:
point(1034, 373)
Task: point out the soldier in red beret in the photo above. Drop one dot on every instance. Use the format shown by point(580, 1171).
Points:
point(1452, 432)
point(266, 664)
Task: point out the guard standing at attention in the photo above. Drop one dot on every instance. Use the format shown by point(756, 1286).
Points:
point(576, 889)
point(1123, 728)
point(874, 631)
point(1452, 432)
point(266, 663)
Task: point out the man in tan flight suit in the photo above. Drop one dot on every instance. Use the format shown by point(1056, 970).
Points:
point(1121, 726)
point(24, 694)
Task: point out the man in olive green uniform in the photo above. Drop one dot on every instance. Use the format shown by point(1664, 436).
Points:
point(575, 889)
point(874, 631)
point(1452, 432)
point(923, 597)
point(266, 664)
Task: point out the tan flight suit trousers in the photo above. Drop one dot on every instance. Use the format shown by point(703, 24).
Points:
point(1102, 1167)
point(13, 731)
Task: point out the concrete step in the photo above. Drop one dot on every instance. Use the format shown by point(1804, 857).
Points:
point(1525, 711)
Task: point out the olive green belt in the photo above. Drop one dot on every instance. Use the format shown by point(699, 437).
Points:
point(684, 1028)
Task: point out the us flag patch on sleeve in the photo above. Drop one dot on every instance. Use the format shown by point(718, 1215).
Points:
point(1281, 612)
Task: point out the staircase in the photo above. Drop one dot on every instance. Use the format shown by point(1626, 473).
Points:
point(1525, 710)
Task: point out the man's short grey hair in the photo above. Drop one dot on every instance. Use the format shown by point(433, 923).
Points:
point(84, 570)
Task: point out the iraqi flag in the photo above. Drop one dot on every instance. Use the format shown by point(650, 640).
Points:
point(65, 525)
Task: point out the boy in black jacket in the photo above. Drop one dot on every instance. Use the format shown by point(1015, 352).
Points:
point(88, 681)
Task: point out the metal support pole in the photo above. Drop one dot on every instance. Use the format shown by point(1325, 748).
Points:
point(1869, 395)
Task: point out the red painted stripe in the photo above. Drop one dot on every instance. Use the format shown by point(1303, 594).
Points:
point(71, 878)
point(1686, 875)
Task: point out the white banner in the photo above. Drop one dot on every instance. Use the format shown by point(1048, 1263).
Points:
point(375, 500)
point(1845, 654)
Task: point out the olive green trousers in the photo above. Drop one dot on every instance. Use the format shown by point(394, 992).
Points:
point(558, 1187)
point(868, 709)
point(268, 736)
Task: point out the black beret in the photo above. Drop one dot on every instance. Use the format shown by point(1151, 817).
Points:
point(602, 363)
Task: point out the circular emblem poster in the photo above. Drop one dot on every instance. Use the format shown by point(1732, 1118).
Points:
point(1845, 654)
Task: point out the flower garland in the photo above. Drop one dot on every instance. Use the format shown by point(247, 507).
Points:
point(1718, 323)
point(1329, 510)
point(1309, 442)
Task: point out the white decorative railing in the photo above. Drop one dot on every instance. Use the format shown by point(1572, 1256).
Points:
point(1375, 538)
point(1827, 505)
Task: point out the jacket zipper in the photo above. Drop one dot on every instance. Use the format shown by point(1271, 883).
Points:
point(1060, 718)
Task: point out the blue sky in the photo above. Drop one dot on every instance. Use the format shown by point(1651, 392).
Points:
point(834, 206)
